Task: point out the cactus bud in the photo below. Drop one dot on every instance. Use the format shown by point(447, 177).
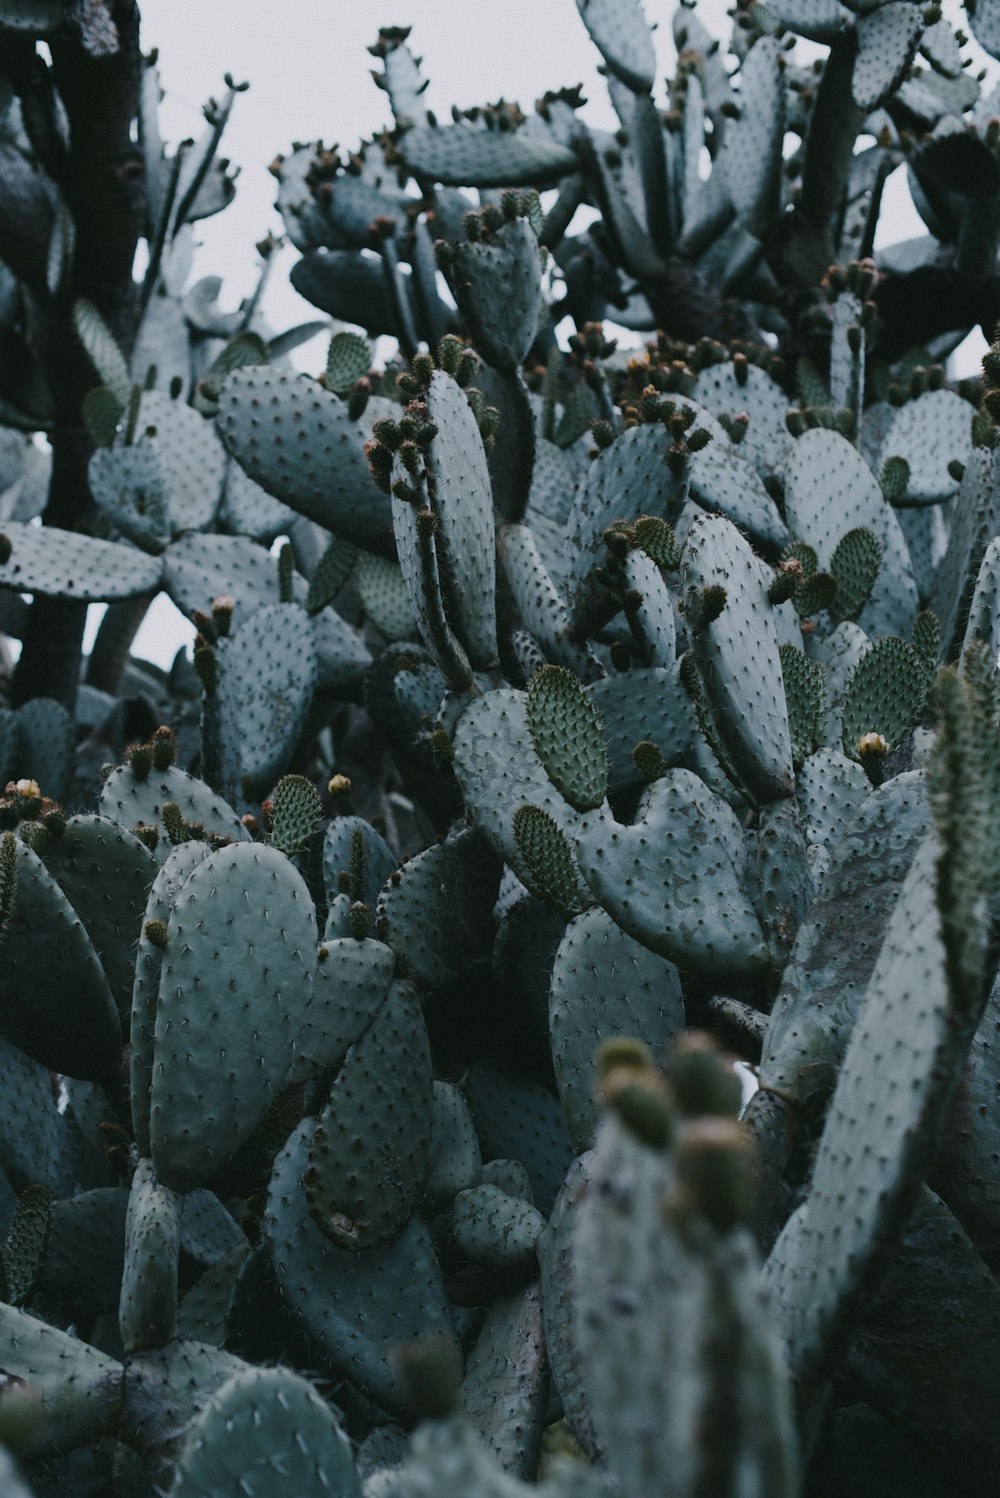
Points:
point(222, 614)
point(715, 1172)
point(873, 750)
point(207, 669)
point(631, 1086)
point(359, 921)
point(147, 834)
point(139, 758)
point(5, 548)
point(701, 1079)
point(787, 576)
point(649, 761)
point(155, 933)
point(164, 747)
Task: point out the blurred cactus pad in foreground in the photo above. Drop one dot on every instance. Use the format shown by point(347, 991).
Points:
point(573, 734)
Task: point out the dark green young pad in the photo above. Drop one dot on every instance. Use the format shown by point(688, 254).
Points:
point(438, 918)
point(568, 735)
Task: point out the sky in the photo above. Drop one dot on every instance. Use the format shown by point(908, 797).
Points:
point(308, 69)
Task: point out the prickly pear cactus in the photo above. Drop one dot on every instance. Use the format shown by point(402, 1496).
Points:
point(514, 1008)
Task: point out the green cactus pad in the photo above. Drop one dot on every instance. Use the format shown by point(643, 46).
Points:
point(85, 1254)
point(626, 480)
point(341, 853)
point(266, 678)
point(80, 1387)
point(496, 1230)
point(830, 490)
point(504, 1391)
point(519, 1119)
point(751, 157)
point(147, 1310)
point(462, 155)
point(35, 1141)
point(266, 1433)
point(462, 500)
point(887, 44)
point(129, 800)
point(725, 482)
point(63, 564)
point(298, 441)
point(497, 284)
point(350, 985)
point(737, 657)
point(837, 945)
point(166, 1388)
point(764, 401)
point(976, 520)
point(673, 880)
point(248, 510)
point(859, 1196)
point(199, 568)
point(55, 1002)
point(829, 788)
point(499, 770)
point(383, 594)
point(781, 885)
point(604, 984)
point(568, 735)
point(130, 489)
point(192, 460)
point(619, 30)
point(45, 738)
point(556, 1280)
point(930, 434)
point(357, 1307)
point(241, 940)
point(105, 874)
point(454, 1161)
point(541, 606)
point(166, 886)
point(657, 1289)
point(369, 1150)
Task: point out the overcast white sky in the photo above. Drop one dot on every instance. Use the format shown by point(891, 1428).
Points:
point(308, 67)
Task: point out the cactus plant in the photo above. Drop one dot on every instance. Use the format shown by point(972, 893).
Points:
point(566, 722)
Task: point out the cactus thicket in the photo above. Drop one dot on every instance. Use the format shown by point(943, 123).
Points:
point(572, 732)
